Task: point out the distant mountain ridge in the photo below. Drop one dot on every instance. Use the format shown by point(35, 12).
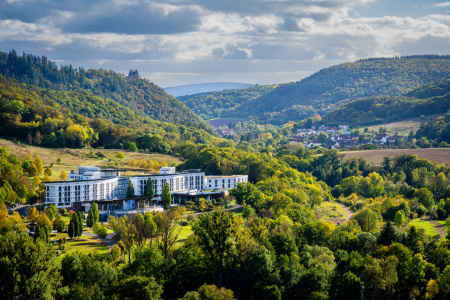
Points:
point(140, 95)
point(325, 90)
point(191, 89)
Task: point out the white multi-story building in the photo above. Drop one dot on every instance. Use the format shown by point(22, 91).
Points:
point(224, 182)
point(108, 189)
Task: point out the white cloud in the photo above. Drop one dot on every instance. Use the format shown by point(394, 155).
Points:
point(442, 4)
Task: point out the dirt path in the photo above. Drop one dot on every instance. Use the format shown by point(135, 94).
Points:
point(439, 227)
point(348, 211)
point(340, 220)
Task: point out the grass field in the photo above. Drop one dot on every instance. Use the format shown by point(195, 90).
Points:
point(83, 244)
point(440, 155)
point(71, 158)
point(404, 127)
point(330, 210)
point(429, 228)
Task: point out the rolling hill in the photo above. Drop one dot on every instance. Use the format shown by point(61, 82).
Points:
point(191, 89)
point(428, 99)
point(325, 90)
point(136, 93)
point(79, 119)
point(215, 104)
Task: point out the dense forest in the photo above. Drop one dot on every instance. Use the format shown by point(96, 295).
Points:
point(215, 104)
point(428, 99)
point(79, 119)
point(277, 248)
point(325, 90)
point(140, 95)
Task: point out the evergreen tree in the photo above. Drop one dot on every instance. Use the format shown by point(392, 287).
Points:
point(93, 216)
point(166, 197)
point(387, 235)
point(70, 230)
point(149, 190)
point(74, 228)
point(413, 239)
point(80, 224)
point(130, 190)
point(90, 220)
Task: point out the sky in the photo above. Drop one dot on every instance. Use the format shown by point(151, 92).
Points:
point(177, 42)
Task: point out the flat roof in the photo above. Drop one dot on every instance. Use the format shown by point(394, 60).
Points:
point(79, 180)
point(224, 176)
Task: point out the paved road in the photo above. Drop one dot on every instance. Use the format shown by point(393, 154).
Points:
point(22, 209)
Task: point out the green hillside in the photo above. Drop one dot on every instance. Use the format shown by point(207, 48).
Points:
point(79, 119)
point(215, 104)
point(138, 94)
point(428, 99)
point(325, 90)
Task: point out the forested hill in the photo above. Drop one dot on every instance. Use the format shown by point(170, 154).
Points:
point(138, 94)
point(79, 119)
point(325, 90)
point(215, 104)
point(428, 99)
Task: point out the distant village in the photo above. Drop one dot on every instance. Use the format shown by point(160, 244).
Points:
point(337, 137)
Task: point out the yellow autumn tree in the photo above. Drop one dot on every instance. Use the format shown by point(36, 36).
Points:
point(33, 214)
point(163, 164)
point(39, 165)
point(63, 175)
point(156, 165)
point(143, 164)
point(149, 164)
point(432, 289)
point(132, 163)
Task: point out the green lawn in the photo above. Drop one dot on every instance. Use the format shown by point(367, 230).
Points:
point(442, 222)
point(328, 210)
point(185, 232)
point(84, 244)
point(429, 228)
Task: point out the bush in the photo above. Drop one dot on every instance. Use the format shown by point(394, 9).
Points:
point(100, 154)
point(421, 210)
point(63, 211)
point(100, 230)
point(191, 217)
point(184, 223)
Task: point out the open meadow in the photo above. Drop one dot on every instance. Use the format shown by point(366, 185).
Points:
point(404, 127)
point(71, 158)
point(439, 155)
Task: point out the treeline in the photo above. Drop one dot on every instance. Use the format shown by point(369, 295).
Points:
point(435, 132)
point(428, 99)
point(216, 104)
point(80, 119)
point(331, 87)
point(140, 95)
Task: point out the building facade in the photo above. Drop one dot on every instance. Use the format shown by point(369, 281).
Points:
point(108, 189)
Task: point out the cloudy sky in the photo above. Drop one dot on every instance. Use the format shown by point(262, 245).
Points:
point(174, 42)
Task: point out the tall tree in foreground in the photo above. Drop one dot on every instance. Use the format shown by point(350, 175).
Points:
point(217, 235)
point(29, 270)
point(166, 197)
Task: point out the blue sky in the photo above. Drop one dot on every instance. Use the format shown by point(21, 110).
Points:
point(175, 42)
